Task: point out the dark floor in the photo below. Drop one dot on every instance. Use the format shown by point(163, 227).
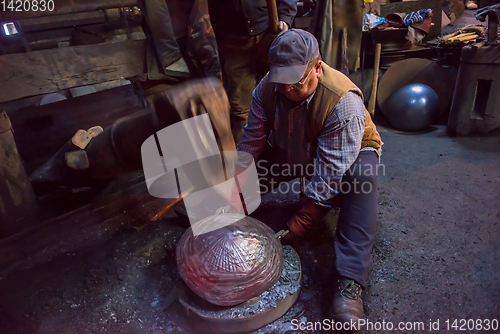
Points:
point(436, 254)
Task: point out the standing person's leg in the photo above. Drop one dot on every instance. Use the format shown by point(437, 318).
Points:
point(355, 235)
point(239, 69)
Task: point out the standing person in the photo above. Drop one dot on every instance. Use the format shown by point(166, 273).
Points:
point(242, 30)
point(180, 44)
point(313, 115)
point(335, 17)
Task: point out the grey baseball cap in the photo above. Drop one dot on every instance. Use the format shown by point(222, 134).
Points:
point(289, 55)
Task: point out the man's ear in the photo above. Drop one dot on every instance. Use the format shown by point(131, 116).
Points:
point(318, 68)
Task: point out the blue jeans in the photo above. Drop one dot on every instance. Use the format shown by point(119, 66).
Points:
point(357, 221)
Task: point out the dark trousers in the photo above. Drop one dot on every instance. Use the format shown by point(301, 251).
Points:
point(358, 219)
point(358, 213)
point(244, 64)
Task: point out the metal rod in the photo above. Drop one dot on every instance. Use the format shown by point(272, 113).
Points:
point(493, 26)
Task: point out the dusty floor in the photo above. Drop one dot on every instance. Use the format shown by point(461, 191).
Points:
point(436, 255)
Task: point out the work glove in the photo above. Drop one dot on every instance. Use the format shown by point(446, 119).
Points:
point(309, 215)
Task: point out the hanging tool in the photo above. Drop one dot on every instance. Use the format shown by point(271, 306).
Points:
point(344, 60)
point(373, 96)
point(273, 16)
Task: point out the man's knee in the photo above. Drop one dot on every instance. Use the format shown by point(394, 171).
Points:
point(361, 180)
point(364, 172)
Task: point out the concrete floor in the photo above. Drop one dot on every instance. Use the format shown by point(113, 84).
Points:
point(436, 255)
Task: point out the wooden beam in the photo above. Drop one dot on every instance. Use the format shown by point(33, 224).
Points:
point(66, 7)
point(48, 71)
point(59, 21)
point(41, 131)
point(52, 34)
point(99, 220)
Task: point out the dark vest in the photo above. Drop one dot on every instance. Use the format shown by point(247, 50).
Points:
point(332, 86)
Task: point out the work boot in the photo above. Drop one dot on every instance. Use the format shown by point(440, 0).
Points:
point(347, 305)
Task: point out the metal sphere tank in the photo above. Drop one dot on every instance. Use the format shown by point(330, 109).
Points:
point(232, 264)
point(412, 107)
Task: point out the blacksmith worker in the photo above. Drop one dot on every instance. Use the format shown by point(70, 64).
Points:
point(306, 113)
point(242, 30)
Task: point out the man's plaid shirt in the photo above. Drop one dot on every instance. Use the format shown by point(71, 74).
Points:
point(338, 147)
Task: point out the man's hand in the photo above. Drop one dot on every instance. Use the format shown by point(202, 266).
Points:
point(308, 217)
point(283, 26)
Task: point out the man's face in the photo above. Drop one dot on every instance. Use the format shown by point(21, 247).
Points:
point(303, 89)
